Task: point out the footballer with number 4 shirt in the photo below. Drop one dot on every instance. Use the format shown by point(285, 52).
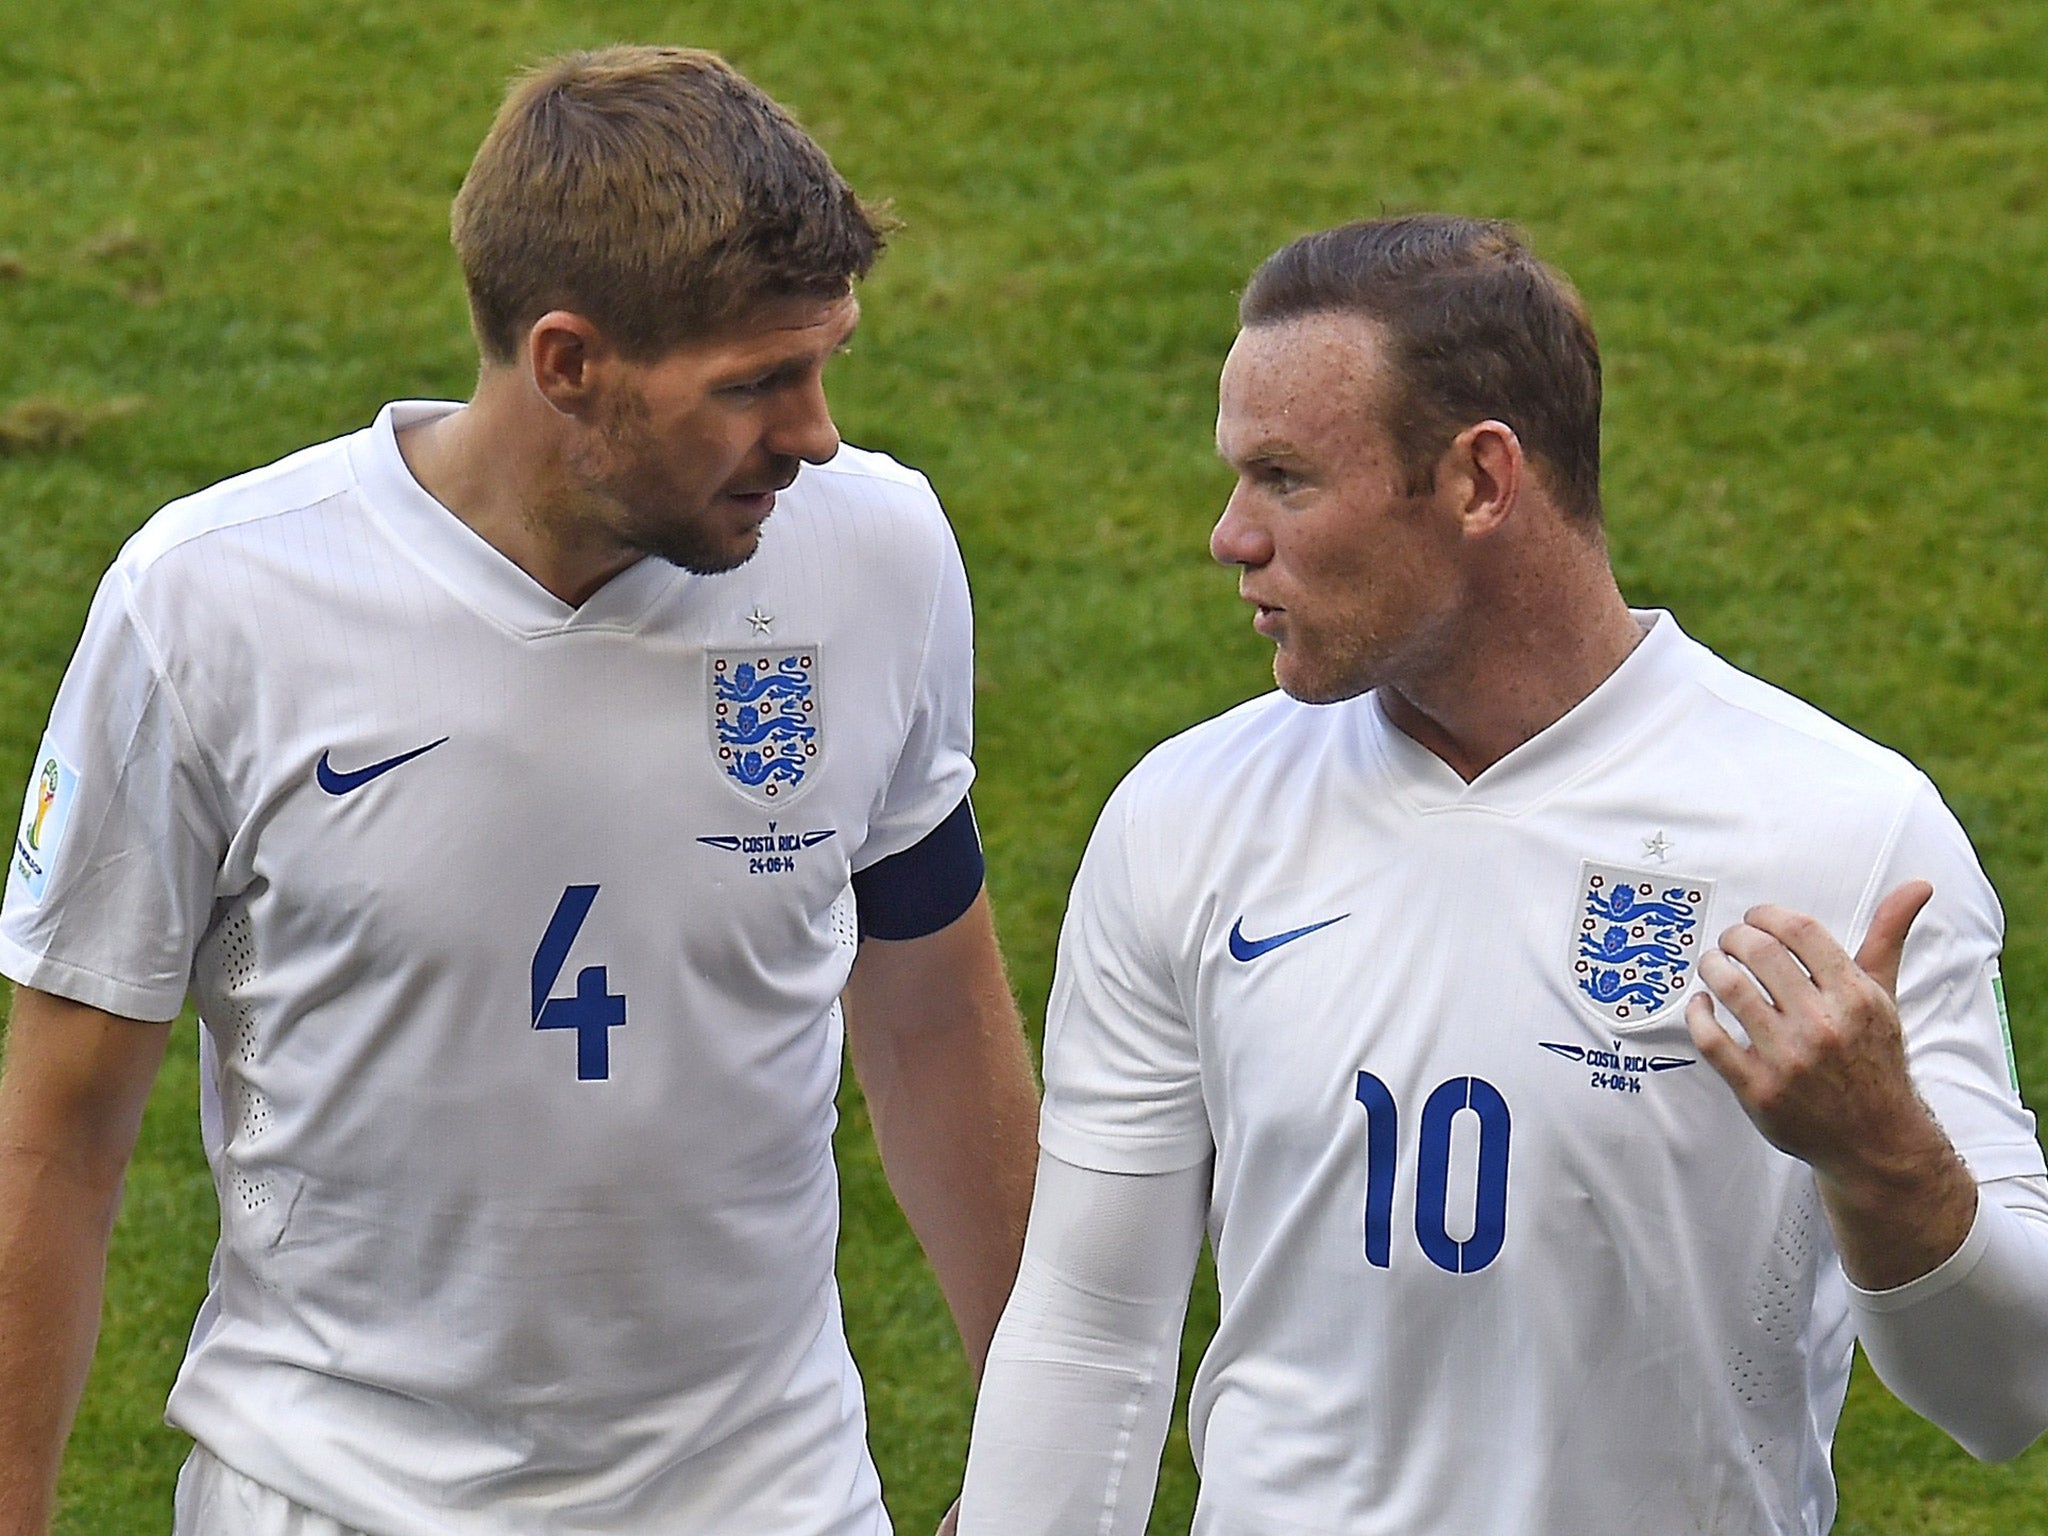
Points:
point(518, 799)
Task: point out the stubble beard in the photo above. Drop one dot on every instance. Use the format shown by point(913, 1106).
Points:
point(640, 507)
point(1329, 674)
point(1357, 652)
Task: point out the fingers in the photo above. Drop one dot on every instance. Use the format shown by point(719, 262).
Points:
point(1808, 942)
point(1768, 953)
point(1724, 1053)
point(1738, 992)
point(1886, 939)
point(1767, 970)
point(1824, 1062)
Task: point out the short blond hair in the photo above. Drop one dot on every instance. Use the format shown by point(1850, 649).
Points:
point(658, 193)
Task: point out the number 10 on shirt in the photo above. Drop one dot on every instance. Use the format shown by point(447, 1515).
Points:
point(1432, 1173)
point(594, 1011)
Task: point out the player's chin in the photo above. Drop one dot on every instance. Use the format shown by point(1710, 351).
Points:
point(742, 518)
point(1307, 680)
point(705, 555)
point(732, 555)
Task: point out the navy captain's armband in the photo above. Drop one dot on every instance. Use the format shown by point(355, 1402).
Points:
point(927, 885)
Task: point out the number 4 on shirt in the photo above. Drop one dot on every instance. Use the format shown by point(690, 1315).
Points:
point(594, 1010)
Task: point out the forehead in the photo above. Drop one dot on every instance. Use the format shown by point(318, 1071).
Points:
point(1306, 381)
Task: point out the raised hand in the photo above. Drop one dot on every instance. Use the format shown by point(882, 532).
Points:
point(1823, 1076)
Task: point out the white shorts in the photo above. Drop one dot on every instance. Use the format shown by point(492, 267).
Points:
point(216, 1500)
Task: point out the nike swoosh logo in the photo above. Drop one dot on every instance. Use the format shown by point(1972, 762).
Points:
point(339, 783)
point(1242, 948)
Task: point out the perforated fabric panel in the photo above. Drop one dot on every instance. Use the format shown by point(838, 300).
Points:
point(229, 959)
point(845, 922)
point(1779, 1300)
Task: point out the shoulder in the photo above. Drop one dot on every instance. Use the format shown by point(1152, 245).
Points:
point(873, 490)
point(1805, 751)
point(873, 525)
point(1271, 727)
point(297, 483)
point(1257, 753)
point(859, 464)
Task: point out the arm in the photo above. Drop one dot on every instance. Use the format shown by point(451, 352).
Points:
point(940, 1055)
point(1075, 1404)
point(1961, 1345)
point(1078, 1394)
point(71, 1101)
point(1824, 1078)
point(1950, 1278)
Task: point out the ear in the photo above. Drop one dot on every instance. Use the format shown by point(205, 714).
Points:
point(1483, 472)
point(566, 357)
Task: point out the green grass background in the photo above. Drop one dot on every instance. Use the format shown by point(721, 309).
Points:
point(1812, 236)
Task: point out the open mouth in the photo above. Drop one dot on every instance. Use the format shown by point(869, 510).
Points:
point(754, 505)
point(1265, 616)
point(762, 501)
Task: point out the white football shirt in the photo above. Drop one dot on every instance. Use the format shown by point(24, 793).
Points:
point(517, 932)
point(1499, 1255)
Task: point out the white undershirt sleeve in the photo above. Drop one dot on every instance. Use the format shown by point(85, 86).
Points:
point(1078, 1389)
point(1966, 1345)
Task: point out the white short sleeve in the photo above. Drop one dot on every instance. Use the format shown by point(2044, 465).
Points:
point(1950, 997)
point(1123, 1080)
point(111, 878)
point(937, 762)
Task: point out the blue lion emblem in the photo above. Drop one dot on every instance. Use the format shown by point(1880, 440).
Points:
point(764, 719)
point(1637, 939)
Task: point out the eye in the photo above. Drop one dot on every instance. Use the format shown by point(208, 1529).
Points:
point(766, 382)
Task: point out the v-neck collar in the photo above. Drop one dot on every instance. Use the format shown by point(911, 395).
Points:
point(1628, 702)
point(475, 571)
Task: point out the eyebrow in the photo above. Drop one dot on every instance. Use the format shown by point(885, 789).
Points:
point(1264, 450)
point(780, 369)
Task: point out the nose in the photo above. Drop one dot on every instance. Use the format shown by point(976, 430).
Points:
point(806, 430)
point(1239, 537)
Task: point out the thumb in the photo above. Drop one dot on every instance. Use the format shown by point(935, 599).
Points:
point(1886, 938)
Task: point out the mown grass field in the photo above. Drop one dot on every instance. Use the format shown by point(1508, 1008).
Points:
point(1812, 235)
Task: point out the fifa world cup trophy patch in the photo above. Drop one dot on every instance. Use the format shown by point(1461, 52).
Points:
point(765, 720)
point(1636, 940)
point(45, 812)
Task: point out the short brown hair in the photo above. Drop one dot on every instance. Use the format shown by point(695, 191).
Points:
point(654, 191)
point(1478, 328)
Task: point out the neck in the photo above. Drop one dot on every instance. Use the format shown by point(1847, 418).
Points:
point(1542, 646)
point(497, 467)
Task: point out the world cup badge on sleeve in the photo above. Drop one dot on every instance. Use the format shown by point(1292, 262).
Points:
point(1636, 940)
point(45, 813)
point(765, 720)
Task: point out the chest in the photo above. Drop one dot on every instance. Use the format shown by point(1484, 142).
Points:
point(1483, 1003)
point(399, 766)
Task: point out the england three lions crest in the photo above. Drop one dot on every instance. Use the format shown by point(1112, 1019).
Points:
point(1636, 940)
point(765, 720)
